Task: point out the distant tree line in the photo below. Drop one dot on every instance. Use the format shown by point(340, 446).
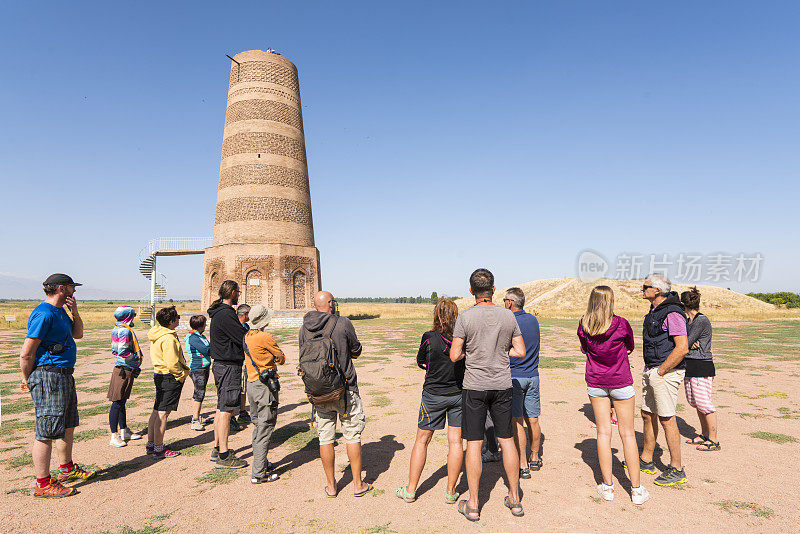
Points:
point(400, 300)
point(783, 298)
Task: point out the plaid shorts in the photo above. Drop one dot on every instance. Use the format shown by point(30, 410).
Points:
point(55, 402)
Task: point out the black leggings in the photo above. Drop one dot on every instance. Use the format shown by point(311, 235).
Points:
point(116, 416)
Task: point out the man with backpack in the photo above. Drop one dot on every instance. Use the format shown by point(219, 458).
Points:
point(328, 344)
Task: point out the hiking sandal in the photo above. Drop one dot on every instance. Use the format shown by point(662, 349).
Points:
point(708, 445)
point(511, 505)
point(697, 440)
point(466, 511)
point(451, 498)
point(403, 493)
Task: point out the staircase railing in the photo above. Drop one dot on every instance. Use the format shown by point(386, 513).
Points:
point(175, 244)
point(170, 246)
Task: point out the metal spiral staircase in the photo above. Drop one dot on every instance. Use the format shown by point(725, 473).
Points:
point(158, 288)
point(164, 246)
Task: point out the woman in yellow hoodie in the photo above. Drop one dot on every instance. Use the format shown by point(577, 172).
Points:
point(169, 373)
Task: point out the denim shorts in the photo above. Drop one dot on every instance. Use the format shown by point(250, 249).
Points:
point(615, 393)
point(526, 401)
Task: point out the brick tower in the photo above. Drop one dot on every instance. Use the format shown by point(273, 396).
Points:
point(263, 232)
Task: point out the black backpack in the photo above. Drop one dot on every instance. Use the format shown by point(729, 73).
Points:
point(319, 368)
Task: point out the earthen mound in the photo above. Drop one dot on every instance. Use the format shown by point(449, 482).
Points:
point(567, 297)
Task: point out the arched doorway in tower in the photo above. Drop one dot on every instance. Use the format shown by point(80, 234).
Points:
point(299, 289)
point(254, 288)
point(213, 287)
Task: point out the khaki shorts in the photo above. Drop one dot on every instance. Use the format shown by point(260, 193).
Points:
point(660, 393)
point(350, 412)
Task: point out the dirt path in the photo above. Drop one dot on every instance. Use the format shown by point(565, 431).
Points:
point(553, 291)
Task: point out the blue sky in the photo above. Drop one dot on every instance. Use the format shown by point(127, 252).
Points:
point(441, 136)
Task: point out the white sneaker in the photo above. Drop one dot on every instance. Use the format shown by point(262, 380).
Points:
point(606, 492)
point(197, 425)
point(116, 441)
point(640, 495)
point(127, 435)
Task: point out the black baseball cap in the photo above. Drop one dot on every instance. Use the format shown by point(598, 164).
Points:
point(59, 279)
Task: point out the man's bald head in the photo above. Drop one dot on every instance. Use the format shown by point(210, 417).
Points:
point(323, 301)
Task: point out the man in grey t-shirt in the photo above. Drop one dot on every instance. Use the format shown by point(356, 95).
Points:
point(490, 335)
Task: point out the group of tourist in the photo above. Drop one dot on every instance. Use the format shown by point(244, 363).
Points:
point(481, 371)
point(677, 349)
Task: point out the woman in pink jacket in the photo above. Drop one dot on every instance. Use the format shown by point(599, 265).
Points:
point(607, 339)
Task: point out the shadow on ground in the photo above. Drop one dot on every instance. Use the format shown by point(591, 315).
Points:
point(376, 458)
point(686, 430)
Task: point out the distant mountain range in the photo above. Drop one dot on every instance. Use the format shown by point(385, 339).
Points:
point(15, 287)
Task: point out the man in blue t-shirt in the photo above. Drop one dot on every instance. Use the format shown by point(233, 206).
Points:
point(47, 360)
point(525, 404)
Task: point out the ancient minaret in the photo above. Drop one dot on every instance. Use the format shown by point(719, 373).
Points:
point(263, 232)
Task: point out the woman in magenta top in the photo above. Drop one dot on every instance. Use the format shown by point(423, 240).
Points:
point(607, 339)
point(607, 365)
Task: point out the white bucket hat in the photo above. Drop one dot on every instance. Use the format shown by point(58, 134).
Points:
point(260, 316)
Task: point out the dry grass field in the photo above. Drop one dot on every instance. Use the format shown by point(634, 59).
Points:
point(556, 298)
point(94, 313)
point(745, 486)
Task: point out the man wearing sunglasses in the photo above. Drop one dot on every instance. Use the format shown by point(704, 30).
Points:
point(665, 344)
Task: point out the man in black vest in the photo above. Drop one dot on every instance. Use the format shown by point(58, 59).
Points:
point(664, 346)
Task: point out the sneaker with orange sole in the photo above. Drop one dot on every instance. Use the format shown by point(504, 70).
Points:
point(77, 473)
point(54, 490)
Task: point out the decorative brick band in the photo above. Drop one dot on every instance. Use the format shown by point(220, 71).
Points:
point(262, 209)
point(265, 90)
point(263, 175)
point(260, 108)
point(264, 71)
point(264, 143)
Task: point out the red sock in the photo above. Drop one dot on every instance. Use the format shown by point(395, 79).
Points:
point(43, 482)
point(67, 467)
